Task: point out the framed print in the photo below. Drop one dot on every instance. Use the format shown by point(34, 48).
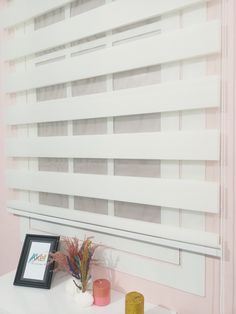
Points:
point(33, 269)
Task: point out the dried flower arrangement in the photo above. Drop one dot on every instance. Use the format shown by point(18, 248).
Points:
point(76, 260)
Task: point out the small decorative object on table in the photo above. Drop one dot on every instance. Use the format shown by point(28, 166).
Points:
point(76, 260)
point(134, 303)
point(101, 292)
point(33, 269)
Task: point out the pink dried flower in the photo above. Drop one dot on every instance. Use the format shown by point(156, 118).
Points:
point(76, 259)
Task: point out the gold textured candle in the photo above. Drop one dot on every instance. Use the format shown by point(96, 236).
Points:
point(134, 303)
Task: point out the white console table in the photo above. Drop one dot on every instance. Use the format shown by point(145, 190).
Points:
point(24, 300)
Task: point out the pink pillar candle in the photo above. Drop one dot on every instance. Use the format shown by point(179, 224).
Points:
point(101, 292)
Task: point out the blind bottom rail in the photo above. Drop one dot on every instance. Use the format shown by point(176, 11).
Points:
point(74, 220)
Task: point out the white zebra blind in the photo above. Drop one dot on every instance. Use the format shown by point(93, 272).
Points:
point(91, 101)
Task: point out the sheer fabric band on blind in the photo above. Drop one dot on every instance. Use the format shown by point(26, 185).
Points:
point(88, 142)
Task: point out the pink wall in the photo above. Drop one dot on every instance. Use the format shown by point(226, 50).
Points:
point(229, 158)
point(9, 225)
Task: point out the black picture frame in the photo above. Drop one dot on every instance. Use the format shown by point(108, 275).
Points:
point(33, 268)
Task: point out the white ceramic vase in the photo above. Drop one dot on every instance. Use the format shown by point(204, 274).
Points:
point(82, 299)
point(71, 288)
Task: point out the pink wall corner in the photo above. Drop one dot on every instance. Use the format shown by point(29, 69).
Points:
point(228, 180)
point(9, 225)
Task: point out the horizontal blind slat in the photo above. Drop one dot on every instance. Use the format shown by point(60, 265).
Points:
point(173, 96)
point(202, 40)
point(180, 145)
point(186, 194)
point(23, 10)
point(102, 19)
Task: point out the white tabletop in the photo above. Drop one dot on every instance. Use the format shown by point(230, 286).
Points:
point(24, 300)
